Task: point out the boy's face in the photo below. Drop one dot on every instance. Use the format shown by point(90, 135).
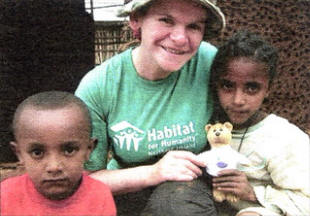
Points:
point(53, 145)
point(242, 89)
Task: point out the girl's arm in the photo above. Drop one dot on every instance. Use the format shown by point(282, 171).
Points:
point(289, 169)
point(290, 173)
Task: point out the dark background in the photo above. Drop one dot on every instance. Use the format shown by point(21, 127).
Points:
point(49, 45)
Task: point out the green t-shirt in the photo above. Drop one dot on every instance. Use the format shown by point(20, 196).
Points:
point(138, 119)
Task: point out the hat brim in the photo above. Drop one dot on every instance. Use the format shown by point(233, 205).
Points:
point(136, 5)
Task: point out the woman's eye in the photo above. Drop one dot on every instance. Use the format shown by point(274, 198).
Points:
point(195, 27)
point(166, 20)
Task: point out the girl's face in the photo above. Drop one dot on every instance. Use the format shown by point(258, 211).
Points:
point(242, 89)
point(171, 33)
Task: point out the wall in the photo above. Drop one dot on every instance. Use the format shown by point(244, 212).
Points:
point(44, 45)
point(286, 24)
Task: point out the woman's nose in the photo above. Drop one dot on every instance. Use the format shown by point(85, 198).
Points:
point(179, 36)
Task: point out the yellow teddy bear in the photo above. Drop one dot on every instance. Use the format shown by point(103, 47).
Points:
point(221, 156)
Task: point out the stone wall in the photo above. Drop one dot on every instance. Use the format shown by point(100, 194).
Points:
point(44, 45)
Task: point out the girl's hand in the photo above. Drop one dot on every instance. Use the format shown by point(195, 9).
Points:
point(236, 182)
point(177, 166)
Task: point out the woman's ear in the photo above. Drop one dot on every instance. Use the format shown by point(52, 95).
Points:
point(134, 22)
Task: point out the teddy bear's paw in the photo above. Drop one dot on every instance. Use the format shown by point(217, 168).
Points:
point(218, 196)
point(232, 198)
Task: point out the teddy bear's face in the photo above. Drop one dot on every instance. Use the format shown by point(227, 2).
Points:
point(219, 134)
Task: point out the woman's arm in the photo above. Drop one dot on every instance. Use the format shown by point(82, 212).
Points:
point(174, 166)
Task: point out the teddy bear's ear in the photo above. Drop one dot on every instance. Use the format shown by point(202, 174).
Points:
point(228, 125)
point(208, 126)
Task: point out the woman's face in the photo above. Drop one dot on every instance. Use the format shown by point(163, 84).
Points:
point(242, 89)
point(171, 33)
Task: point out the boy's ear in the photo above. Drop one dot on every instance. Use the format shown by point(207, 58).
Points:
point(92, 145)
point(94, 142)
point(15, 149)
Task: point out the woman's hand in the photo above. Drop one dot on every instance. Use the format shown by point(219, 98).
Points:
point(236, 182)
point(178, 166)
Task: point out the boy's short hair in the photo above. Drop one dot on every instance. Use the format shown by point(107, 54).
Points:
point(51, 100)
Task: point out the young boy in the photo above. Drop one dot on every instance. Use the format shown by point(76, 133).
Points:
point(241, 75)
point(52, 139)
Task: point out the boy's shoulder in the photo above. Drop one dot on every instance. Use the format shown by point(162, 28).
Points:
point(96, 195)
point(13, 190)
point(93, 185)
point(13, 183)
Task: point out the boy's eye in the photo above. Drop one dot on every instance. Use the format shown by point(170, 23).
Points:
point(36, 153)
point(70, 149)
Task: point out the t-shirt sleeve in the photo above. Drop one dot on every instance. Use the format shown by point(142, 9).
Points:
point(90, 90)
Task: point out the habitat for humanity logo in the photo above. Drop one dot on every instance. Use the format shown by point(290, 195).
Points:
point(127, 134)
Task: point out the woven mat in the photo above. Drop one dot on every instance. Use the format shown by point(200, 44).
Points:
point(10, 169)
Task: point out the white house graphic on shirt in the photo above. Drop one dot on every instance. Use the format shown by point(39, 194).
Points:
point(127, 134)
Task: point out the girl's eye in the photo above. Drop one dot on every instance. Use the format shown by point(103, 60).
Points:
point(226, 85)
point(36, 153)
point(252, 88)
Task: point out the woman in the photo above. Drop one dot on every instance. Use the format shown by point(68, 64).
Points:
point(150, 103)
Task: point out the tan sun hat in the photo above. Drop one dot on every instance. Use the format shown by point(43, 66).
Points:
point(215, 24)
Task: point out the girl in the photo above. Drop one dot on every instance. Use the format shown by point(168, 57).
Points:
point(242, 73)
point(149, 105)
